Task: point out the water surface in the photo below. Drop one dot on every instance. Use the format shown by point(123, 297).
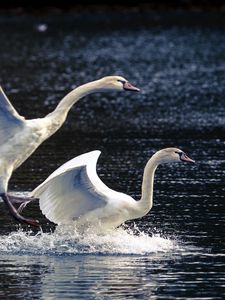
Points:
point(177, 251)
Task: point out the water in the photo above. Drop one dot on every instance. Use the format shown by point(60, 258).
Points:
point(177, 251)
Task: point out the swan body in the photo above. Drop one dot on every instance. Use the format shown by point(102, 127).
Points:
point(74, 192)
point(20, 137)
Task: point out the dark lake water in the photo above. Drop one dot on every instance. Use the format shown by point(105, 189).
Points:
point(177, 251)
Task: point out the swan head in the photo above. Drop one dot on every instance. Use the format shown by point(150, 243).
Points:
point(117, 83)
point(169, 155)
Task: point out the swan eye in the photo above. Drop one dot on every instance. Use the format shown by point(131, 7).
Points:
point(122, 81)
point(179, 153)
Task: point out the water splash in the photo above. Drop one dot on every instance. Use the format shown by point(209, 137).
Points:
point(66, 240)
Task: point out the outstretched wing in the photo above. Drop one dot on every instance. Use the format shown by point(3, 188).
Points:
point(72, 190)
point(10, 121)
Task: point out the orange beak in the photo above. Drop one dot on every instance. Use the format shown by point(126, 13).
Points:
point(184, 157)
point(129, 87)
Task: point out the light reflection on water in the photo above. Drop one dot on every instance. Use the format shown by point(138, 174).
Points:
point(60, 265)
point(177, 252)
point(107, 276)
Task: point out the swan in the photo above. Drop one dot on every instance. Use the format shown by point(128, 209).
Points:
point(20, 137)
point(74, 192)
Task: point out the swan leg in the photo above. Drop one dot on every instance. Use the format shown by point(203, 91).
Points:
point(20, 200)
point(23, 201)
point(16, 214)
point(22, 206)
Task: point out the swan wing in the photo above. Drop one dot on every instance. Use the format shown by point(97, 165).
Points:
point(72, 190)
point(10, 121)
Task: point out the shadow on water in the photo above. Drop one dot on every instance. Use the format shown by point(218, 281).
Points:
point(180, 70)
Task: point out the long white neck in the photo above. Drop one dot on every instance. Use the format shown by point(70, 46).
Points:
point(146, 201)
point(62, 109)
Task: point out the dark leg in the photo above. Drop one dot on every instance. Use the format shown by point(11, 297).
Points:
point(23, 201)
point(19, 200)
point(16, 214)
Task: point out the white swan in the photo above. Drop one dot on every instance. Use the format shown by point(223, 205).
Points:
point(19, 137)
point(74, 192)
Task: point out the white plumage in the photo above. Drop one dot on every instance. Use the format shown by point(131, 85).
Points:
point(19, 138)
point(74, 192)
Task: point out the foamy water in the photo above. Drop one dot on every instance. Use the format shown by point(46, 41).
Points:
point(67, 240)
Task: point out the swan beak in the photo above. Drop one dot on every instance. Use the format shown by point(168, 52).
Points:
point(127, 86)
point(184, 157)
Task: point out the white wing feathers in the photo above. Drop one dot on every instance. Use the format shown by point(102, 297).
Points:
point(10, 121)
point(7, 107)
point(71, 190)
